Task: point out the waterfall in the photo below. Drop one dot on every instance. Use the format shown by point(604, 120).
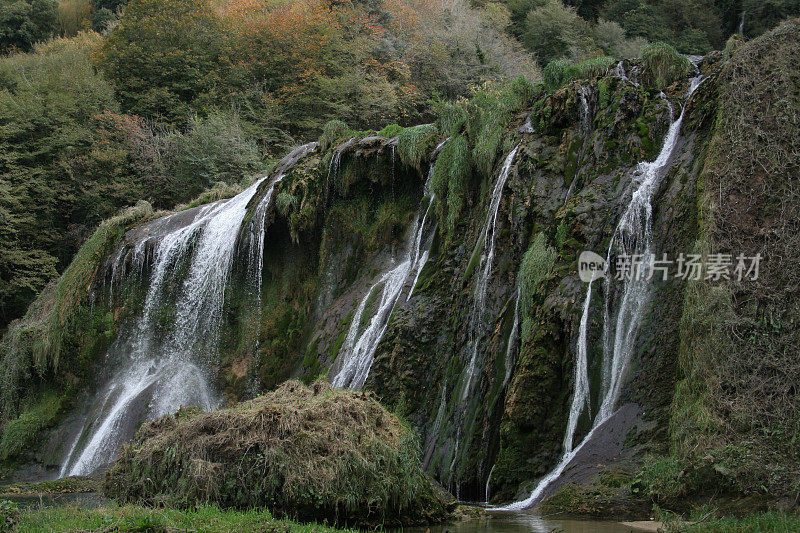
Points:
point(633, 235)
point(335, 163)
point(586, 132)
point(487, 240)
point(358, 350)
point(256, 228)
point(488, 480)
point(156, 369)
point(741, 23)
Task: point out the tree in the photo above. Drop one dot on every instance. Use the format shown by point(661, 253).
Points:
point(166, 58)
point(554, 31)
point(26, 22)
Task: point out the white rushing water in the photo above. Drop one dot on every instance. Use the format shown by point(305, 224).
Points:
point(633, 236)
point(155, 372)
point(358, 350)
point(487, 240)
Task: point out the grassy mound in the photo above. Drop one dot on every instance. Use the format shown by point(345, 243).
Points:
point(311, 453)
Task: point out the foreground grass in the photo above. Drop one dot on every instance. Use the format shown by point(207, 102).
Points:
point(772, 522)
point(134, 518)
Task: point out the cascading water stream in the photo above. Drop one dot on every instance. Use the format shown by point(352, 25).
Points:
point(586, 132)
point(158, 369)
point(633, 236)
point(358, 350)
point(487, 240)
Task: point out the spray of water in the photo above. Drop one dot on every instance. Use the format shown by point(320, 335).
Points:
point(154, 371)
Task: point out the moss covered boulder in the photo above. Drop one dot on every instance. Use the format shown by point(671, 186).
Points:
point(311, 453)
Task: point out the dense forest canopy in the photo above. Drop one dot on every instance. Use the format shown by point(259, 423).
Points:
point(173, 96)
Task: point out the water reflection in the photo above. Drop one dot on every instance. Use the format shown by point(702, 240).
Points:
point(524, 522)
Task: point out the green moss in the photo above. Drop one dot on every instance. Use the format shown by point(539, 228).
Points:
point(537, 264)
point(286, 203)
point(67, 485)
point(20, 433)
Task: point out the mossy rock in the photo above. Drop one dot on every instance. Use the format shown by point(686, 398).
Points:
point(311, 453)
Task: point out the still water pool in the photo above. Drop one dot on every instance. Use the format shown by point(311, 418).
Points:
point(522, 522)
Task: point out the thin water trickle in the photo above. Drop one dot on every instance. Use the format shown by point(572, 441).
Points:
point(358, 350)
point(586, 132)
point(487, 240)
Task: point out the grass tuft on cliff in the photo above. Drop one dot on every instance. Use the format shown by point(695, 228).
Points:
point(311, 453)
point(663, 65)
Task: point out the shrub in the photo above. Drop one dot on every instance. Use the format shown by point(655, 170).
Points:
point(333, 132)
point(23, 23)
point(589, 68)
point(488, 116)
point(663, 65)
point(452, 118)
point(555, 31)
point(9, 516)
point(416, 143)
point(734, 42)
point(660, 478)
point(522, 93)
point(537, 263)
point(558, 73)
point(310, 452)
point(458, 181)
point(610, 37)
point(73, 16)
point(554, 74)
point(214, 148)
point(37, 342)
point(392, 130)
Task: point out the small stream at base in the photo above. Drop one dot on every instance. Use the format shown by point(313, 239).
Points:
point(523, 522)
